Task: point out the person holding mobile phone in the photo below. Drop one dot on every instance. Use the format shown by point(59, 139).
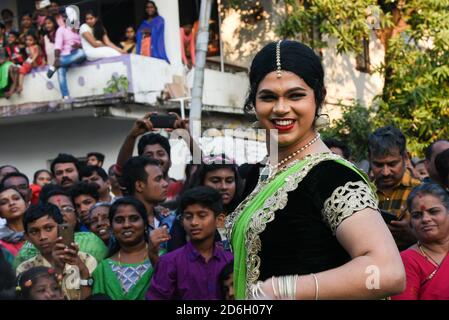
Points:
point(388, 157)
point(41, 223)
point(152, 145)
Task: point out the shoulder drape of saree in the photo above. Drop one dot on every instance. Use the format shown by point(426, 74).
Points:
point(250, 218)
point(437, 287)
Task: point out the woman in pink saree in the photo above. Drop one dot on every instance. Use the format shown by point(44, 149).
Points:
point(426, 263)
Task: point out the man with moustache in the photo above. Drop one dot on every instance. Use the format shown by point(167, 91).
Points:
point(65, 169)
point(387, 156)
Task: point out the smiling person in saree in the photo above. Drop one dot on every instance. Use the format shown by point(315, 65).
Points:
point(426, 263)
point(311, 228)
point(127, 273)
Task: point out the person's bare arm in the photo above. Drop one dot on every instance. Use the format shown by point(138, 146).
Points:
point(140, 127)
point(90, 38)
point(110, 44)
point(375, 271)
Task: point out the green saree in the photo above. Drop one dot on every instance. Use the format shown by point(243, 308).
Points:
point(249, 219)
point(106, 282)
point(4, 76)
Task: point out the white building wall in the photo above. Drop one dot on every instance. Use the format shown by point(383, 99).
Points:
point(29, 146)
point(343, 82)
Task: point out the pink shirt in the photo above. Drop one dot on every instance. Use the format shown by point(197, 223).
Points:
point(65, 40)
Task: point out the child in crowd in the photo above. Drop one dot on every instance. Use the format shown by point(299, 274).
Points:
point(9, 76)
point(35, 58)
point(129, 43)
point(84, 196)
point(41, 227)
point(39, 283)
point(192, 272)
point(227, 281)
point(14, 53)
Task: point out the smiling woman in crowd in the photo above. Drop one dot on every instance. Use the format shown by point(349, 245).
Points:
point(126, 274)
point(426, 263)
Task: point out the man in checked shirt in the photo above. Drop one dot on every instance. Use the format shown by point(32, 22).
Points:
point(394, 181)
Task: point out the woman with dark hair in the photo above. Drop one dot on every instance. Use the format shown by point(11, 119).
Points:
point(95, 41)
point(50, 27)
point(312, 220)
point(154, 26)
point(12, 209)
point(126, 274)
point(41, 178)
point(426, 263)
point(129, 41)
point(26, 27)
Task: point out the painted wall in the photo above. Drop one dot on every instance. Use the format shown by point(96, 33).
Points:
point(91, 78)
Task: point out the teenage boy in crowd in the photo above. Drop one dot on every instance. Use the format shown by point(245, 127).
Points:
point(84, 196)
point(41, 228)
point(192, 272)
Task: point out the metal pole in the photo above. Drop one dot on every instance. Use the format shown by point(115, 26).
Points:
point(219, 34)
point(198, 81)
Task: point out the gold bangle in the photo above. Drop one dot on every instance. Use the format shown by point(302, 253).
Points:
point(316, 286)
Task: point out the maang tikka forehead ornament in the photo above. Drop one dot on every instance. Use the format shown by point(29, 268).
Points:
point(278, 59)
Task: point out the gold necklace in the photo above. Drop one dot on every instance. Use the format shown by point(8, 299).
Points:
point(427, 256)
point(144, 254)
point(273, 167)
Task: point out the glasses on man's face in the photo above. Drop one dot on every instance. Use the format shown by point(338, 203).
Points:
point(68, 209)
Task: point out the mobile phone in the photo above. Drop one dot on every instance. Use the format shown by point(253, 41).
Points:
point(67, 232)
point(388, 216)
point(163, 121)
